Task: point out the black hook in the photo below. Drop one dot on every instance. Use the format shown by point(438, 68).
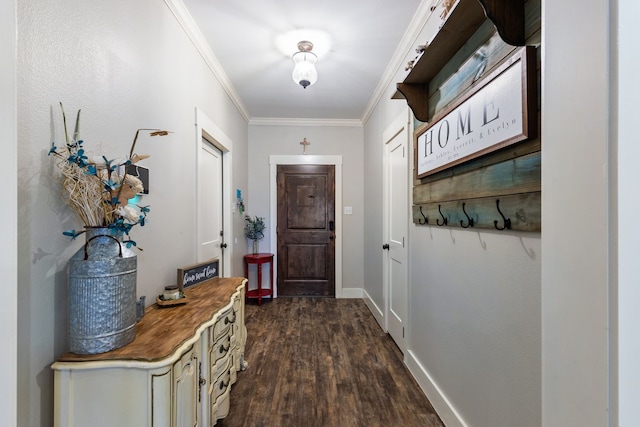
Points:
point(425, 221)
point(469, 219)
point(507, 221)
point(444, 220)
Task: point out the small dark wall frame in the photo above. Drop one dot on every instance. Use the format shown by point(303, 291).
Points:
point(142, 174)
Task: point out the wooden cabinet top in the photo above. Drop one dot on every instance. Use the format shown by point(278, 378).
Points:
point(163, 330)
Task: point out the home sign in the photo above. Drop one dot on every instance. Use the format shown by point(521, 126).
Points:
point(493, 114)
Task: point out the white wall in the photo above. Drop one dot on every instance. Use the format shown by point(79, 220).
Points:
point(128, 65)
point(474, 305)
point(575, 213)
point(8, 214)
point(265, 140)
point(475, 323)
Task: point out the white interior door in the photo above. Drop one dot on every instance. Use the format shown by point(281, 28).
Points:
point(396, 214)
point(210, 219)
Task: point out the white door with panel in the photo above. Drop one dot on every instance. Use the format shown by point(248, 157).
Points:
point(396, 214)
point(210, 219)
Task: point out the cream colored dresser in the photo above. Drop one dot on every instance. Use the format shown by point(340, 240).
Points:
point(177, 372)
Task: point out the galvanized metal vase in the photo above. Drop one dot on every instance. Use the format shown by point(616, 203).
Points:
point(102, 294)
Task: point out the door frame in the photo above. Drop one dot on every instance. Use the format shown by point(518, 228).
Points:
point(396, 126)
point(206, 129)
point(306, 159)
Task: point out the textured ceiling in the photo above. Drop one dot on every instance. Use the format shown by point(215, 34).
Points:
point(362, 37)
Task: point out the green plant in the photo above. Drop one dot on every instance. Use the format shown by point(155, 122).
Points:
point(254, 228)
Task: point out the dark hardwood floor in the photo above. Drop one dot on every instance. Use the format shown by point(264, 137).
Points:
point(323, 362)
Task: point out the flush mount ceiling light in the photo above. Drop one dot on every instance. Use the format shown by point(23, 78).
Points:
point(304, 71)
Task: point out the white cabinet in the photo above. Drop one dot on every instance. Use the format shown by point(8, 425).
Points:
point(186, 384)
point(178, 371)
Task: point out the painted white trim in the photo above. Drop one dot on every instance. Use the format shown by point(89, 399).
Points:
point(352, 293)
point(184, 18)
point(443, 406)
point(224, 143)
point(274, 161)
point(271, 121)
point(9, 218)
point(373, 307)
point(407, 43)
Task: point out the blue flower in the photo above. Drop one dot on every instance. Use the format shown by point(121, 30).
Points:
point(72, 233)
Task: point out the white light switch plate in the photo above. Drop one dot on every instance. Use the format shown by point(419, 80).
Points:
point(348, 210)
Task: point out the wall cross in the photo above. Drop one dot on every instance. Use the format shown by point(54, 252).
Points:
point(304, 143)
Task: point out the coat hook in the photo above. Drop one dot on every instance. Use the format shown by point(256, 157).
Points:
point(469, 219)
point(507, 221)
point(444, 220)
point(425, 220)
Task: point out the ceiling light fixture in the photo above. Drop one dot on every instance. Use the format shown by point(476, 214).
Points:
point(304, 72)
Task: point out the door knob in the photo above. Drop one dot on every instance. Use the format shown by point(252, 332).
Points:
point(223, 245)
point(385, 246)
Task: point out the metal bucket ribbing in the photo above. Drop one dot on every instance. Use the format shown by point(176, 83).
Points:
point(102, 294)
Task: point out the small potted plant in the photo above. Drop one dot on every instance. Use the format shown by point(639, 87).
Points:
point(254, 230)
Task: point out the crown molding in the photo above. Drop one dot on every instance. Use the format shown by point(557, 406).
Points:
point(192, 31)
point(407, 43)
point(271, 121)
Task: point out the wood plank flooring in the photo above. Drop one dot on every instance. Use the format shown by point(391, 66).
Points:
point(323, 362)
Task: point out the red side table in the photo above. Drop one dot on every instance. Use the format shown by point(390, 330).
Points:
point(259, 259)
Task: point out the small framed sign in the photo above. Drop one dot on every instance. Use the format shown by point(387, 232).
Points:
point(493, 114)
point(196, 273)
point(142, 174)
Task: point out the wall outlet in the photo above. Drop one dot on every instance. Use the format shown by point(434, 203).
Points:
point(348, 210)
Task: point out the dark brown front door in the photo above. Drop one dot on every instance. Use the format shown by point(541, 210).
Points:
point(306, 236)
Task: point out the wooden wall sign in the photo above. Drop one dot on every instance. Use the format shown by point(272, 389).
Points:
point(498, 111)
point(196, 273)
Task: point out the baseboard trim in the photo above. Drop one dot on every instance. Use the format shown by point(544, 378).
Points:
point(375, 310)
point(351, 293)
point(445, 409)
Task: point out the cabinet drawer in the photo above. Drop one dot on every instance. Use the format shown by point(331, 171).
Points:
point(223, 380)
point(220, 349)
point(223, 324)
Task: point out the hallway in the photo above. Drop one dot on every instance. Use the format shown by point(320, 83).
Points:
point(323, 362)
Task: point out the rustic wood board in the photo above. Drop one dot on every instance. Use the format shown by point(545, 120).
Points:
point(523, 210)
point(518, 175)
point(163, 329)
point(479, 64)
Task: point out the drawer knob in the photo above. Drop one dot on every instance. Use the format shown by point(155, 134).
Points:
point(227, 320)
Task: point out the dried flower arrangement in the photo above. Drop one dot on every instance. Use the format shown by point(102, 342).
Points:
point(98, 189)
